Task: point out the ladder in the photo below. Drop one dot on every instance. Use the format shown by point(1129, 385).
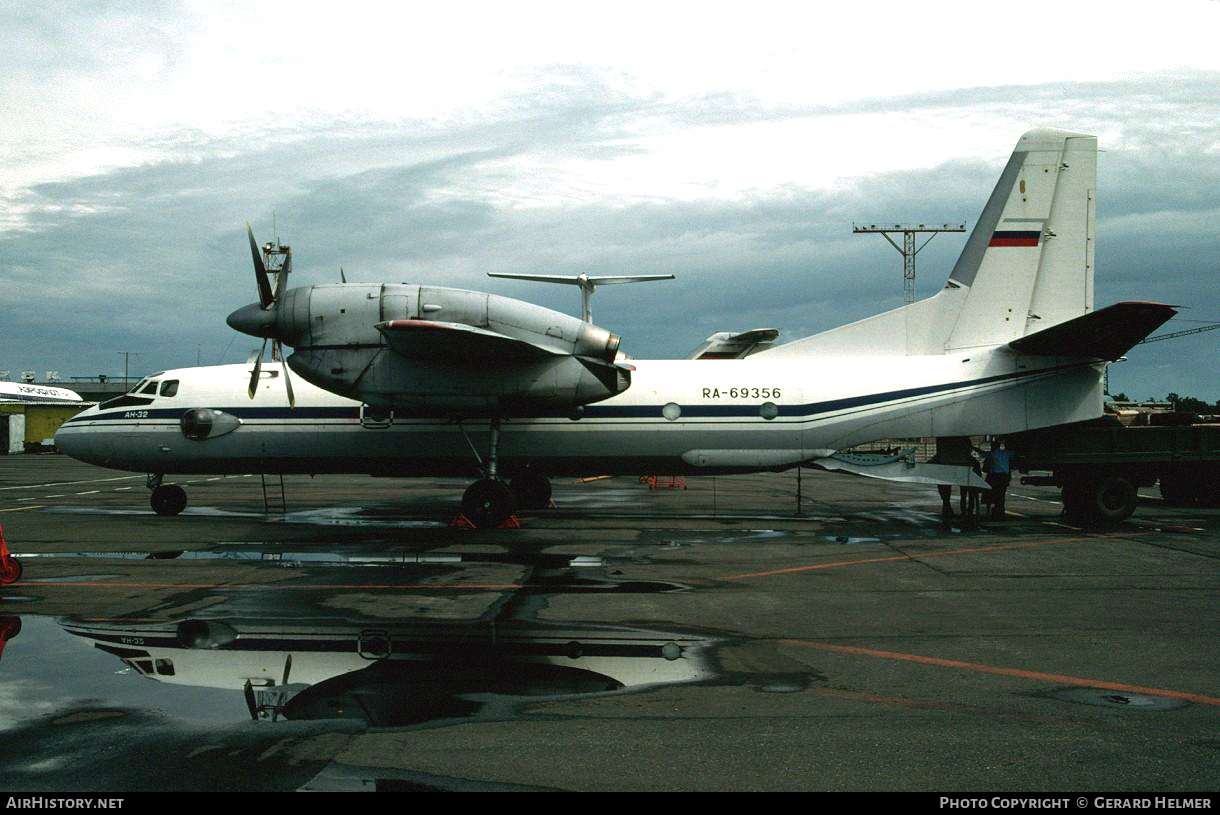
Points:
point(273, 493)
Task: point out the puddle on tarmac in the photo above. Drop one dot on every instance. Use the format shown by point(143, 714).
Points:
point(383, 672)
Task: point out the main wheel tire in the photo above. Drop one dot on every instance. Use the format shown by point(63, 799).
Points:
point(1112, 500)
point(532, 490)
point(487, 503)
point(168, 499)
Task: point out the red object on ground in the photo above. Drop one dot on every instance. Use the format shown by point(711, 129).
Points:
point(10, 567)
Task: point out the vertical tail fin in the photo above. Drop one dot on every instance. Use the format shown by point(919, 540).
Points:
point(1028, 264)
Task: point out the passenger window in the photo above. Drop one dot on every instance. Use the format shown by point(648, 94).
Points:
point(151, 387)
point(169, 388)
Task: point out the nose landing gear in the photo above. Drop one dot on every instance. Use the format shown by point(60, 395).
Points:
point(166, 499)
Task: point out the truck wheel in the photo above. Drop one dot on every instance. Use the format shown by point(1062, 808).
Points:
point(1112, 500)
point(1207, 488)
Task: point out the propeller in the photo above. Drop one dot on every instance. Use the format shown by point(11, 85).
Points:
point(269, 301)
point(251, 701)
point(252, 704)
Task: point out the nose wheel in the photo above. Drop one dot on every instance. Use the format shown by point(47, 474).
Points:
point(166, 499)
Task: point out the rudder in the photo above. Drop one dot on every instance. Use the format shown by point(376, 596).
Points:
point(1028, 264)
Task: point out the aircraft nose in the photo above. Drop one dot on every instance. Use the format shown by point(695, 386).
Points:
point(253, 320)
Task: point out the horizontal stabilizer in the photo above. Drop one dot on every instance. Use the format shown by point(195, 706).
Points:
point(433, 339)
point(727, 345)
point(1105, 334)
point(583, 280)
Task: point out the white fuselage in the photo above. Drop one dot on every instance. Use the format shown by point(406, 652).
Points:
point(26, 392)
point(678, 416)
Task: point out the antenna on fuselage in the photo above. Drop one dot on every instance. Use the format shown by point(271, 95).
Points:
point(586, 283)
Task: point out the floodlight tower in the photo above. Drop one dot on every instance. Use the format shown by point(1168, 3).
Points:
point(908, 250)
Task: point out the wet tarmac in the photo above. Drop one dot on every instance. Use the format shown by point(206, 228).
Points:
point(705, 638)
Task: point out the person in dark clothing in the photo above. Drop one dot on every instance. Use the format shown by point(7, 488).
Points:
point(957, 451)
point(997, 465)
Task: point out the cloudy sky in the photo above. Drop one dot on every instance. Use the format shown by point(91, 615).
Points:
point(731, 145)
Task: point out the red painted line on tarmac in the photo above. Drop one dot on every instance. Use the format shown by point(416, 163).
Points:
point(110, 584)
point(999, 547)
point(979, 667)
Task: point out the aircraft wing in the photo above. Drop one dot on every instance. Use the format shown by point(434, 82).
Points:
point(433, 339)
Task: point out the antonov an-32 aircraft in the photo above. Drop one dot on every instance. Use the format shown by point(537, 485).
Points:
point(413, 380)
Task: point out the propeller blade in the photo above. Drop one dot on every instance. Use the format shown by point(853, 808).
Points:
point(287, 668)
point(342, 277)
point(265, 298)
point(251, 703)
point(258, 369)
point(292, 399)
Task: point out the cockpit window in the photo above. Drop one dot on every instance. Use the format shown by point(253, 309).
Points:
point(169, 388)
point(138, 385)
point(151, 387)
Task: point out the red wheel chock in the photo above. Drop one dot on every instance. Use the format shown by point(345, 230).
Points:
point(10, 567)
point(462, 522)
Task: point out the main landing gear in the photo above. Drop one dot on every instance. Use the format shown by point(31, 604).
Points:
point(166, 499)
point(489, 502)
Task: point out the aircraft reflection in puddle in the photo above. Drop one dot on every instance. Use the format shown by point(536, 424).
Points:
point(390, 673)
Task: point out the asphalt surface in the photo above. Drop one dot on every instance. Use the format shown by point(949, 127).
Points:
point(706, 638)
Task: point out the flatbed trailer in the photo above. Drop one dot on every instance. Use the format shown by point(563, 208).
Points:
point(1099, 465)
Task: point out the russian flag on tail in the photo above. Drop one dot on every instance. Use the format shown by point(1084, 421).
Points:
point(1015, 238)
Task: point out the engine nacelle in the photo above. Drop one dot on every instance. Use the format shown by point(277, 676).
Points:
point(561, 362)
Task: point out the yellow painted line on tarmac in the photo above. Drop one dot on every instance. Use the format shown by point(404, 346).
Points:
point(1020, 673)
